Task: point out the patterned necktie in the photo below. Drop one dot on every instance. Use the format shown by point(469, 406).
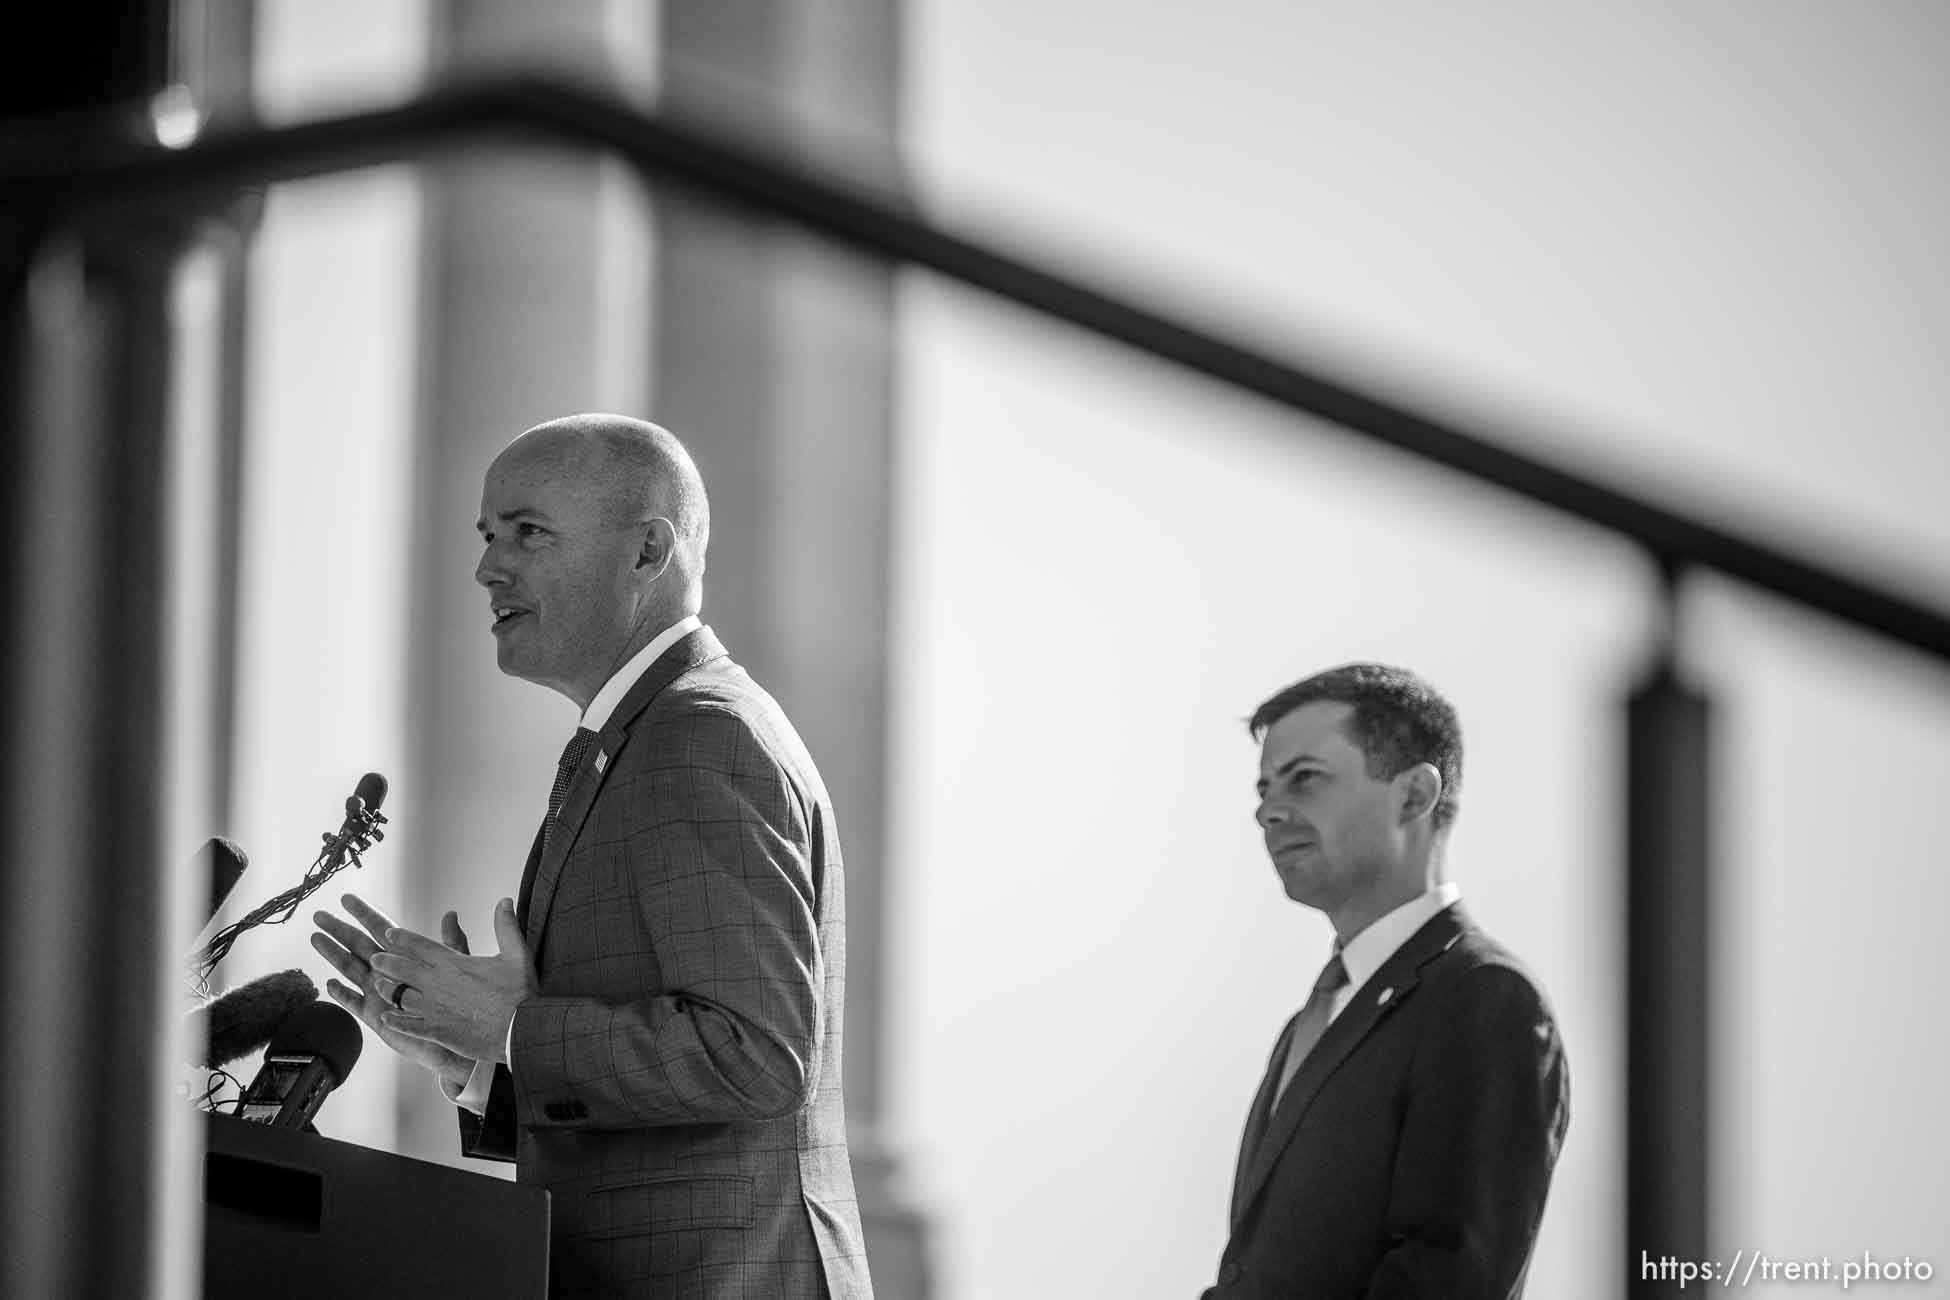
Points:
point(1311, 1023)
point(564, 773)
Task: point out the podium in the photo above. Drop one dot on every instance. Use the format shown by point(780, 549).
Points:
point(292, 1214)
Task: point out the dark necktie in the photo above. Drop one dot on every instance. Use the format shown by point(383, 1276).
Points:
point(1304, 1031)
point(564, 773)
point(1311, 1023)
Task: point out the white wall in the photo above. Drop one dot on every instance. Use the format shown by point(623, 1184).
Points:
point(1697, 251)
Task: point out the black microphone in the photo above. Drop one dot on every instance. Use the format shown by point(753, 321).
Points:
point(367, 795)
point(227, 863)
point(246, 1018)
point(311, 1055)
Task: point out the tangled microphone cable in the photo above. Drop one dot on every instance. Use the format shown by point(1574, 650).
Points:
point(358, 833)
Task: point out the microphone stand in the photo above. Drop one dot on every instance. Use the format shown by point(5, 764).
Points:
point(358, 833)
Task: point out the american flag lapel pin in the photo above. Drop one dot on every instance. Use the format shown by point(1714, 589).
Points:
point(602, 761)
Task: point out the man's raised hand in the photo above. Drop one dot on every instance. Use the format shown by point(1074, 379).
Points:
point(350, 952)
point(462, 1002)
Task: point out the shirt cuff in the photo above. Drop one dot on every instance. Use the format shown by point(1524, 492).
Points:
point(479, 1084)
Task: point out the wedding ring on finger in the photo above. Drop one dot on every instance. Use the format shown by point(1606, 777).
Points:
point(399, 991)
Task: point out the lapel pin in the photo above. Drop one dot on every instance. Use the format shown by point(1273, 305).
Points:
point(602, 761)
point(1382, 999)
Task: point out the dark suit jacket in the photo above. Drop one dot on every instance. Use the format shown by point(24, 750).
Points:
point(676, 1085)
point(1411, 1153)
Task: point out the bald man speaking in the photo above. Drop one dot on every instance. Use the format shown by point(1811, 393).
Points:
point(657, 1042)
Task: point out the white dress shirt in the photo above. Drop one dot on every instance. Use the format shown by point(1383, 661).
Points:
point(475, 1095)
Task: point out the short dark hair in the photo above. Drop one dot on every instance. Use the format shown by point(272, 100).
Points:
point(1398, 720)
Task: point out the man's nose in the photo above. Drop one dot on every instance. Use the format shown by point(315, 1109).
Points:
point(489, 573)
point(1269, 814)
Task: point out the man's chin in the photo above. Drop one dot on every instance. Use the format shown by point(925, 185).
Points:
point(511, 662)
point(1299, 888)
point(513, 665)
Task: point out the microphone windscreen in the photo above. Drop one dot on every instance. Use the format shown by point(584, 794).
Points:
point(372, 789)
point(244, 1019)
point(325, 1030)
point(227, 863)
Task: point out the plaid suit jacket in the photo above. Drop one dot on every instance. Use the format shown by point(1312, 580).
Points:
point(676, 1084)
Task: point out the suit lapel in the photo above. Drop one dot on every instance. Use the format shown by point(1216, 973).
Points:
point(1386, 989)
point(528, 871)
point(685, 654)
point(1257, 1117)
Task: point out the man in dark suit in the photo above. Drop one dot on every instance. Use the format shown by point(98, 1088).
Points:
point(1402, 1142)
point(658, 1040)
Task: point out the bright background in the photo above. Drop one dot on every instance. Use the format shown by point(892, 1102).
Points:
point(1695, 250)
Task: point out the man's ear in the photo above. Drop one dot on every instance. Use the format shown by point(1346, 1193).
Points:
point(1418, 788)
point(659, 544)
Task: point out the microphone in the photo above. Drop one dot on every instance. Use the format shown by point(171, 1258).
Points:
point(227, 863)
point(360, 830)
point(366, 796)
point(311, 1055)
point(244, 1019)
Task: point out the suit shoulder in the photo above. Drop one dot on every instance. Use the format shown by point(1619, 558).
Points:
point(716, 694)
point(1477, 967)
point(716, 682)
point(718, 703)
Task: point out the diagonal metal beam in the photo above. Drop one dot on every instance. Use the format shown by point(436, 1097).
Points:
point(664, 147)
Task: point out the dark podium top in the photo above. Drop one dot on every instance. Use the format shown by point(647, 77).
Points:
point(292, 1214)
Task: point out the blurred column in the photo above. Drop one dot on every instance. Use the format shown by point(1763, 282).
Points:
point(549, 289)
point(214, 42)
point(1667, 927)
point(775, 352)
point(534, 303)
point(98, 1188)
point(82, 829)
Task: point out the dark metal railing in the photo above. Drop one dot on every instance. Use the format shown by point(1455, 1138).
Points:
point(664, 147)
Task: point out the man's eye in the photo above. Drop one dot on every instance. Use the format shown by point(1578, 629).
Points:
point(528, 530)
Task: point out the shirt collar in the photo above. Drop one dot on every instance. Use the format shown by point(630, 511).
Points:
point(605, 701)
point(1366, 951)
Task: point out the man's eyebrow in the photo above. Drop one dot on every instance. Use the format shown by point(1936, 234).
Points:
point(511, 516)
point(1288, 766)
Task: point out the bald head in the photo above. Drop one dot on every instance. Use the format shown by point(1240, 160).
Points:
point(639, 470)
point(594, 529)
